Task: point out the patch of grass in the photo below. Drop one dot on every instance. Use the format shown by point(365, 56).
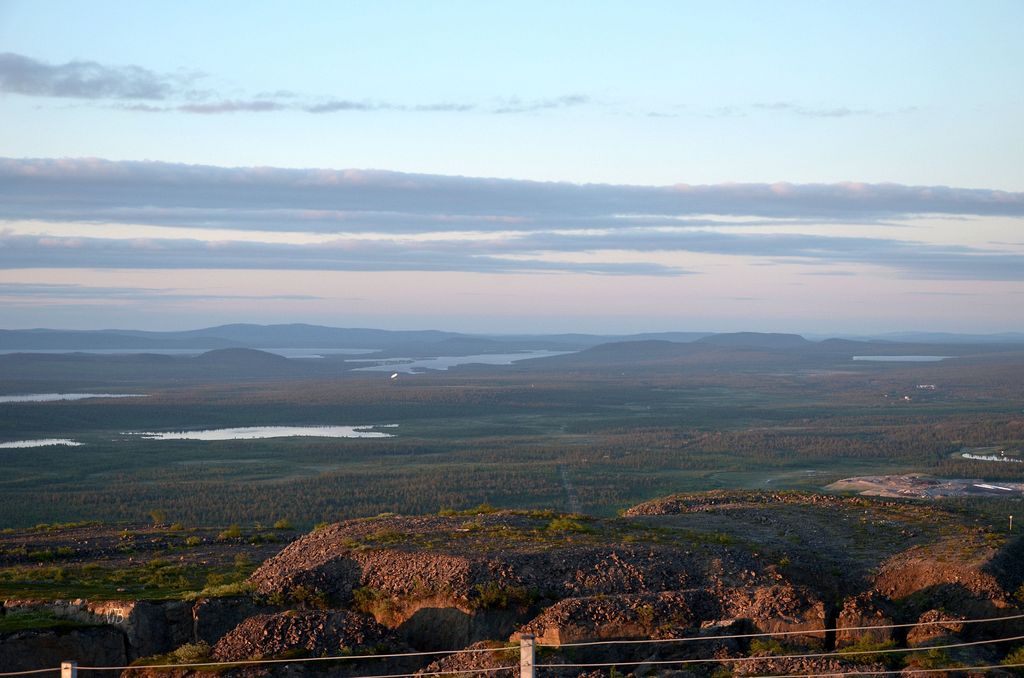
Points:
point(567, 524)
point(877, 653)
point(310, 597)
point(159, 579)
point(932, 659)
point(381, 605)
point(766, 647)
point(1016, 656)
point(233, 532)
point(389, 538)
point(21, 620)
point(493, 596)
point(240, 588)
point(188, 653)
point(53, 527)
point(480, 509)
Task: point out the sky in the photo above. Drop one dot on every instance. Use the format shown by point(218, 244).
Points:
point(494, 167)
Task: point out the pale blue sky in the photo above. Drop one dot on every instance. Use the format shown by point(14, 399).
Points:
point(649, 94)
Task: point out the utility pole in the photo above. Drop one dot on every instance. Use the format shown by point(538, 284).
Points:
point(1011, 523)
point(527, 656)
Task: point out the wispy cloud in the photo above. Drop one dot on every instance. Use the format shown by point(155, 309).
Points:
point(138, 89)
point(529, 252)
point(233, 106)
point(812, 112)
point(19, 251)
point(71, 291)
point(386, 221)
point(367, 200)
point(516, 105)
point(87, 80)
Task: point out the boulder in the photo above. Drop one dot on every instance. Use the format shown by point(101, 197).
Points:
point(868, 609)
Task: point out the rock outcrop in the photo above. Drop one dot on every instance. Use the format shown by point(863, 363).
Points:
point(658, 615)
point(701, 568)
point(311, 633)
point(336, 560)
point(148, 627)
point(861, 612)
point(213, 618)
point(941, 627)
point(779, 608)
point(46, 649)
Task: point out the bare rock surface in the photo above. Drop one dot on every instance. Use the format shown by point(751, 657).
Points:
point(816, 666)
point(314, 633)
point(940, 627)
point(659, 615)
point(948, 574)
point(868, 609)
point(482, 656)
point(425, 556)
point(779, 608)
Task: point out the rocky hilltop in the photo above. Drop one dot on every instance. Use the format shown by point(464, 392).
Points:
point(828, 572)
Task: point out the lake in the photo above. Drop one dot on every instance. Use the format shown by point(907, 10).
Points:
point(51, 397)
point(257, 432)
point(991, 457)
point(901, 358)
point(285, 352)
point(46, 442)
point(412, 365)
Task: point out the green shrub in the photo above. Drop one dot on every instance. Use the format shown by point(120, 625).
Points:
point(932, 659)
point(283, 524)
point(228, 589)
point(192, 652)
point(310, 597)
point(762, 647)
point(566, 524)
point(494, 596)
point(233, 532)
point(1016, 656)
point(380, 605)
point(876, 653)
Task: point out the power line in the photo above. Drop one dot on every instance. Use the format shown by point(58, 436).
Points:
point(441, 673)
point(242, 662)
point(818, 655)
point(901, 672)
point(805, 632)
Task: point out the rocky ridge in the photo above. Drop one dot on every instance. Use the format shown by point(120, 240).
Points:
point(688, 566)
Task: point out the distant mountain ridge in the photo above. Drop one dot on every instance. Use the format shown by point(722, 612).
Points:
point(298, 335)
point(756, 340)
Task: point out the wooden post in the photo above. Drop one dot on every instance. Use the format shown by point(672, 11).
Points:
point(527, 656)
point(69, 670)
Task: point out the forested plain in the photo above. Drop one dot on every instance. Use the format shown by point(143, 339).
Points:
point(594, 431)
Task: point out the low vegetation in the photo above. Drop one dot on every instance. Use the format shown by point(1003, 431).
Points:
point(510, 438)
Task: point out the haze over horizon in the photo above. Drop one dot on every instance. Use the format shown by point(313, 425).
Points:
point(520, 168)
